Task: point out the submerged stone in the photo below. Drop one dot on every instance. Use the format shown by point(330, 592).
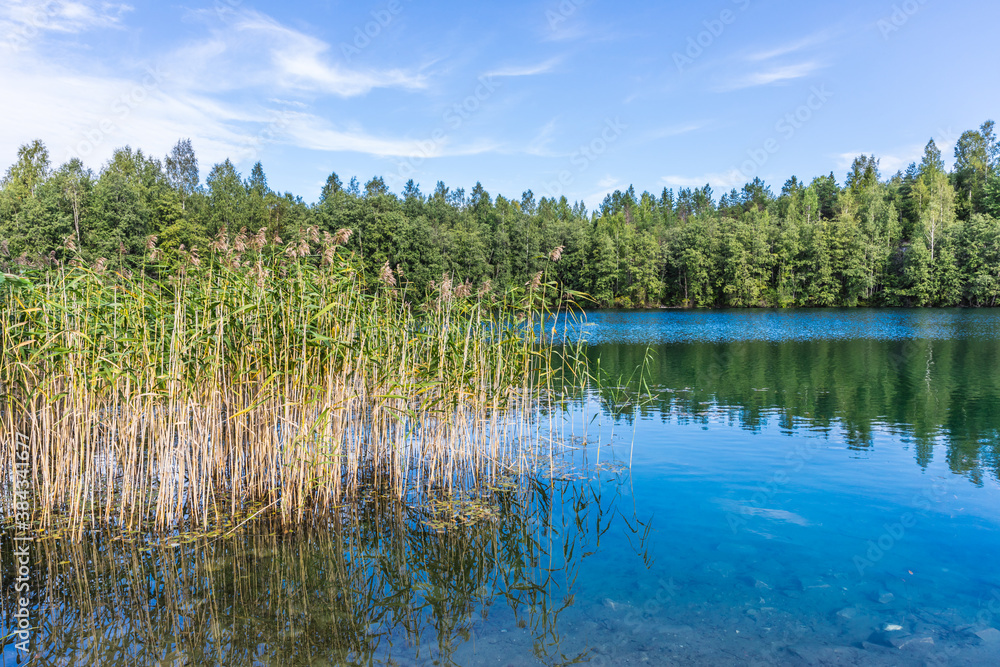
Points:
point(911, 642)
point(869, 646)
point(724, 570)
point(989, 635)
point(812, 583)
point(848, 613)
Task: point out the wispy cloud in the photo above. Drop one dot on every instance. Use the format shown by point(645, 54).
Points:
point(253, 49)
point(89, 115)
point(608, 181)
point(314, 133)
point(900, 157)
point(605, 186)
point(527, 70)
point(719, 181)
point(248, 82)
point(676, 130)
point(772, 76)
point(567, 34)
point(22, 20)
point(539, 146)
point(792, 47)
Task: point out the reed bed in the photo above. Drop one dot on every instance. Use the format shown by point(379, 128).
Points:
point(278, 377)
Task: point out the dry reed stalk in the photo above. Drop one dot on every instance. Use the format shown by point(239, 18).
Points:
point(153, 404)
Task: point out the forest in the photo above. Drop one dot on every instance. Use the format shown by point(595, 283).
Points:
point(921, 237)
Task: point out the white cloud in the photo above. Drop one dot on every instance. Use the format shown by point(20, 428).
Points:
point(771, 76)
point(719, 180)
point(539, 146)
point(89, 115)
point(23, 21)
point(567, 34)
point(608, 181)
point(248, 83)
point(676, 130)
point(312, 132)
point(251, 49)
point(526, 70)
point(606, 187)
point(791, 47)
point(899, 158)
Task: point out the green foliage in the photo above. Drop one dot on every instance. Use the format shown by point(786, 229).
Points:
point(347, 386)
point(227, 198)
point(181, 168)
point(921, 237)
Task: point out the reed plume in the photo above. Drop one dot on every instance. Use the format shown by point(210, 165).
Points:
point(284, 380)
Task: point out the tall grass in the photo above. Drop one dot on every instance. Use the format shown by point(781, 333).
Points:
point(261, 376)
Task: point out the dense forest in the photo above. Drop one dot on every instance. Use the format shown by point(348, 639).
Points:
point(921, 237)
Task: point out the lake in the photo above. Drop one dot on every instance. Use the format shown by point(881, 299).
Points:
point(806, 487)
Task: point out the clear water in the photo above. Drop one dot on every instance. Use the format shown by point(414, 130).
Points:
point(807, 487)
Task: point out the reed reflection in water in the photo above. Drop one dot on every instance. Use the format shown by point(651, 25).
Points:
point(453, 583)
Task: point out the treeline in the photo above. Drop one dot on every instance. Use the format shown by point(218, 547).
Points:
point(922, 237)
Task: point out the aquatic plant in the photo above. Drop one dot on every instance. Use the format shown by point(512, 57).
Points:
point(373, 586)
point(264, 375)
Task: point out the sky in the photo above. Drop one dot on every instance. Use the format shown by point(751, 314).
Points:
point(563, 97)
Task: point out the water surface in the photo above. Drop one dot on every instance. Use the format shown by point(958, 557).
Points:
point(807, 487)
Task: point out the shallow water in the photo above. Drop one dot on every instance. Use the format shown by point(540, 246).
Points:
point(807, 487)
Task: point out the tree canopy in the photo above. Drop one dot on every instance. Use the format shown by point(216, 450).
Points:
point(920, 237)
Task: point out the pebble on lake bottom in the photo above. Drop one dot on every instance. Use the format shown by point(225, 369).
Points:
point(989, 635)
point(911, 642)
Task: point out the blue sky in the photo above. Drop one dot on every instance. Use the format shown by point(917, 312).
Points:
point(577, 97)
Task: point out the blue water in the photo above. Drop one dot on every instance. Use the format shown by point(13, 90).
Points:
point(806, 488)
point(674, 326)
point(824, 493)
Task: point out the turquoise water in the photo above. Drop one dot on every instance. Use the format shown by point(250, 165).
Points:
point(807, 487)
point(816, 477)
